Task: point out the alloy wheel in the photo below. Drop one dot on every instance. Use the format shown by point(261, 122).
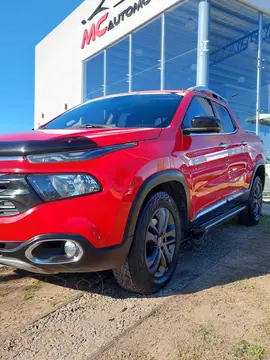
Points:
point(160, 242)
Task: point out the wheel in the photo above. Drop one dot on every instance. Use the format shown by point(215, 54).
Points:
point(254, 209)
point(155, 249)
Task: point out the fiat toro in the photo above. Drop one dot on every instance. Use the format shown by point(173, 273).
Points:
point(121, 182)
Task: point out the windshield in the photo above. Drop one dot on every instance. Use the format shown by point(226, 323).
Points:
point(129, 111)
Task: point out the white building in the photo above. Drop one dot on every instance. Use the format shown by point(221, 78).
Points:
point(112, 46)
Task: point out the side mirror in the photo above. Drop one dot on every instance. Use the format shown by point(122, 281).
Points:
point(204, 125)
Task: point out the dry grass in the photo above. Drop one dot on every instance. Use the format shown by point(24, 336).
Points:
point(30, 290)
point(244, 350)
point(3, 294)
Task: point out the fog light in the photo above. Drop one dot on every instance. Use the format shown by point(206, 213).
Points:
point(71, 249)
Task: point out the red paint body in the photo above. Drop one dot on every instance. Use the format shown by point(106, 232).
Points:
point(211, 175)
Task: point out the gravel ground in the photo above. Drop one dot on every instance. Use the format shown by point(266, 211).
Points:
point(90, 326)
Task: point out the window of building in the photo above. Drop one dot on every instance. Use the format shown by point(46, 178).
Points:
point(117, 67)
point(265, 89)
point(226, 120)
point(264, 127)
point(146, 54)
point(94, 77)
point(233, 57)
point(199, 106)
point(181, 29)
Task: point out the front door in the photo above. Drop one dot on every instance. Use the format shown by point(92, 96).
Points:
point(207, 156)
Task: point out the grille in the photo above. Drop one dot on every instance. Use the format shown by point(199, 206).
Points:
point(7, 208)
point(16, 195)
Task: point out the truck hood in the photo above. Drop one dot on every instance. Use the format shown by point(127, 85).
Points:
point(33, 142)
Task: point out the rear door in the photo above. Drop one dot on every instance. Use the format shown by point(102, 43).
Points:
point(208, 161)
point(239, 160)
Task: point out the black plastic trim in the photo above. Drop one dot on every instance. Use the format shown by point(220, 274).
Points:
point(30, 147)
point(148, 185)
point(7, 246)
point(94, 153)
point(93, 259)
point(256, 167)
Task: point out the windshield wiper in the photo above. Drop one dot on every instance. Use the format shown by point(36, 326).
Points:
point(95, 126)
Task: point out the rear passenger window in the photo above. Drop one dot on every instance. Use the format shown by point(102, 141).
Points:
point(199, 107)
point(226, 120)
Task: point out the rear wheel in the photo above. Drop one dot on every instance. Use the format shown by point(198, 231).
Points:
point(253, 213)
point(156, 245)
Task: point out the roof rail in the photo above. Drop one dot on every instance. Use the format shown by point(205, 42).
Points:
point(209, 92)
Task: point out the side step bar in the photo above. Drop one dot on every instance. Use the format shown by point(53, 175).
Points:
point(221, 219)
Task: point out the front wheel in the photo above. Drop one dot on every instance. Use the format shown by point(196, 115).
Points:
point(253, 213)
point(155, 249)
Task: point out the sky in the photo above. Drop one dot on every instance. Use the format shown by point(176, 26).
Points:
point(23, 23)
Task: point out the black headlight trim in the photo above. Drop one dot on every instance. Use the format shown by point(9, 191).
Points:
point(89, 154)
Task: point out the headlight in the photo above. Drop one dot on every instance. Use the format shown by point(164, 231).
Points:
point(82, 155)
point(56, 187)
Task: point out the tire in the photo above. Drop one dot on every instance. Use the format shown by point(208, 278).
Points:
point(151, 249)
point(253, 213)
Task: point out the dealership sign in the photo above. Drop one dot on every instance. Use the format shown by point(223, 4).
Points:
point(106, 22)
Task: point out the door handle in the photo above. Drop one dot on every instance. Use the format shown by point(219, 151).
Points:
point(224, 145)
point(244, 143)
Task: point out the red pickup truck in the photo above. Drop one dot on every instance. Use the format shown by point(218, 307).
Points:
point(122, 181)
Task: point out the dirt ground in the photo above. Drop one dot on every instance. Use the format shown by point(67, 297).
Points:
point(216, 307)
point(25, 298)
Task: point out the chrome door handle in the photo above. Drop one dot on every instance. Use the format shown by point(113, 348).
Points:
point(244, 143)
point(224, 145)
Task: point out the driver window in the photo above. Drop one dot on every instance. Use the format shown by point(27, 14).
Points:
point(199, 106)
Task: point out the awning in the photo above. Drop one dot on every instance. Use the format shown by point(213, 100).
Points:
point(264, 119)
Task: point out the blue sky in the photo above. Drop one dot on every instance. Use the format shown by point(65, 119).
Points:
point(23, 23)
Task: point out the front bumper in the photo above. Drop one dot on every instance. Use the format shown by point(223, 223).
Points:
point(92, 259)
point(100, 218)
